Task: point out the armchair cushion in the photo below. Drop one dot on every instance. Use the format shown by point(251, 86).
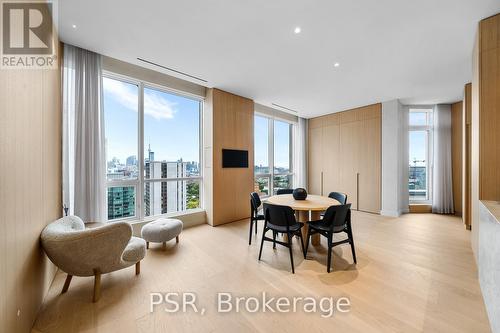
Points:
point(135, 250)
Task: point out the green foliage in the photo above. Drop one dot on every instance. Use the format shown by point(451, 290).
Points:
point(193, 195)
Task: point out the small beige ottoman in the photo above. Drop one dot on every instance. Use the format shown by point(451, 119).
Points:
point(161, 231)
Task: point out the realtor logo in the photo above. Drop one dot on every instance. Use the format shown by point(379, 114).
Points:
point(28, 35)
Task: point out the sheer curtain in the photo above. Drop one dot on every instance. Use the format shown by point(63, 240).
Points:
point(442, 201)
point(301, 154)
point(83, 135)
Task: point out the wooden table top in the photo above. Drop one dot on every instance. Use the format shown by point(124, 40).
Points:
point(312, 202)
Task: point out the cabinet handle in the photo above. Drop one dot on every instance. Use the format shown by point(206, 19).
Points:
point(321, 187)
point(357, 191)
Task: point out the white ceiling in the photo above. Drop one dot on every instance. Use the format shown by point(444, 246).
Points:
point(418, 51)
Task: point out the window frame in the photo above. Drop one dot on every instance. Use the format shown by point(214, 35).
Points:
point(428, 128)
point(270, 152)
point(141, 180)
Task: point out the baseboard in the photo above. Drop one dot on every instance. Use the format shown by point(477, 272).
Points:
point(420, 208)
point(390, 213)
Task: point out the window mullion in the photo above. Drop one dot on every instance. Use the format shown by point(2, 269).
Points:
point(271, 155)
point(140, 178)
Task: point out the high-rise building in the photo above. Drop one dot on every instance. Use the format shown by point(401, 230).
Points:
point(131, 160)
point(121, 202)
point(162, 197)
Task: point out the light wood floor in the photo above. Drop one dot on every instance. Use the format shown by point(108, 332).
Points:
point(415, 273)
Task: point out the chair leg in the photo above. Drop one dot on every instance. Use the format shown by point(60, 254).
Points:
point(262, 242)
point(250, 233)
point(290, 236)
point(138, 268)
point(302, 244)
point(256, 226)
point(329, 262)
point(177, 239)
point(308, 240)
point(351, 241)
point(147, 245)
point(274, 239)
point(66, 283)
point(97, 285)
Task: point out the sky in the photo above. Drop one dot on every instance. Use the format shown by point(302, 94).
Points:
point(281, 142)
point(417, 147)
point(418, 140)
point(171, 123)
point(171, 126)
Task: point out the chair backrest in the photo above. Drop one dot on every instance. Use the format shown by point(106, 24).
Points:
point(279, 215)
point(284, 191)
point(336, 216)
point(339, 196)
point(255, 202)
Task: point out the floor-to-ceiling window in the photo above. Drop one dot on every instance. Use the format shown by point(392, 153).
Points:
point(121, 110)
point(273, 148)
point(420, 153)
point(152, 149)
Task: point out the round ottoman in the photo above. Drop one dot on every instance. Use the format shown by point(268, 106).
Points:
point(161, 231)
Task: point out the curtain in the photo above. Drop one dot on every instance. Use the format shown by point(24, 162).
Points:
point(442, 201)
point(301, 154)
point(83, 135)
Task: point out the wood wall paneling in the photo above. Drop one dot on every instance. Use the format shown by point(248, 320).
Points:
point(457, 119)
point(232, 129)
point(343, 145)
point(466, 205)
point(489, 108)
point(30, 189)
point(474, 144)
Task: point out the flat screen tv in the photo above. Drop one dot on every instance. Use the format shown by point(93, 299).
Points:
point(232, 158)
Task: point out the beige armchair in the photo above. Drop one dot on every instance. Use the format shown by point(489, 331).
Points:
point(81, 251)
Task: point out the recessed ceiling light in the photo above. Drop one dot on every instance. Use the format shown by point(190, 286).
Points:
point(297, 30)
point(74, 26)
point(336, 64)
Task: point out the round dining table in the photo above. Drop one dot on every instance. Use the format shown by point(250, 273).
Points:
point(306, 210)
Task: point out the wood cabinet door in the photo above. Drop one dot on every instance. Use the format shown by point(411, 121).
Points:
point(315, 164)
point(369, 165)
point(331, 159)
point(348, 159)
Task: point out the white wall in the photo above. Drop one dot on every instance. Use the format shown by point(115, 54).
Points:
point(487, 261)
point(394, 158)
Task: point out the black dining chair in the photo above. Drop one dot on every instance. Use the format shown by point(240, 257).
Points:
point(284, 191)
point(254, 214)
point(339, 196)
point(281, 219)
point(337, 219)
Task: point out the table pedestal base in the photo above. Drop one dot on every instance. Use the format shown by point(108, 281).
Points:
point(304, 218)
